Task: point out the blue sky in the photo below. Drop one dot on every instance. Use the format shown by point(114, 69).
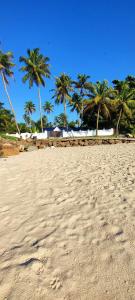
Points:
point(92, 37)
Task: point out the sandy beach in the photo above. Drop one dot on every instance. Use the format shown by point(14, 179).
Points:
point(67, 224)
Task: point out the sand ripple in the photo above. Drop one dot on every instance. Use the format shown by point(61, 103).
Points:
point(67, 224)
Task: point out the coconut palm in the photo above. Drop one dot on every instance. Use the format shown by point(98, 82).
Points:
point(131, 81)
point(77, 105)
point(6, 66)
point(82, 84)
point(99, 98)
point(36, 68)
point(29, 107)
point(62, 92)
point(124, 101)
point(29, 110)
point(48, 107)
point(27, 119)
point(61, 120)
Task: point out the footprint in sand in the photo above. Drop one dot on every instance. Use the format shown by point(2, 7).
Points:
point(56, 284)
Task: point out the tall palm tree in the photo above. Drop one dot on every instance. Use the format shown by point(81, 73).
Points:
point(29, 110)
point(77, 105)
point(99, 97)
point(62, 92)
point(48, 107)
point(124, 100)
point(82, 84)
point(27, 120)
point(6, 66)
point(36, 68)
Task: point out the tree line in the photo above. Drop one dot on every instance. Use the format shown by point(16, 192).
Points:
point(98, 105)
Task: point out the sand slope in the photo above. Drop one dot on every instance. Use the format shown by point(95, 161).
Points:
point(67, 224)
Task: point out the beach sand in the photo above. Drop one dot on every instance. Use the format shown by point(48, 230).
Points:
point(67, 224)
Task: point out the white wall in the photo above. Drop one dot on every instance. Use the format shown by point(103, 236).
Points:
point(72, 133)
point(27, 135)
point(85, 133)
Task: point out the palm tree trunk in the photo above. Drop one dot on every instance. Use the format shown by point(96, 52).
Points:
point(97, 120)
point(40, 108)
point(82, 114)
point(80, 120)
point(10, 102)
point(30, 125)
point(118, 122)
point(65, 113)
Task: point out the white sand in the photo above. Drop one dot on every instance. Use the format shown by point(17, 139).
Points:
point(67, 224)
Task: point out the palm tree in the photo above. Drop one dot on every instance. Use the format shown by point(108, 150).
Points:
point(82, 85)
point(77, 105)
point(36, 67)
point(6, 66)
point(62, 92)
point(124, 100)
point(61, 120)
point(99, 98)
point(45, 123)
point(29, 110)
point(131, 81)
point(48, 107)
point(26, 118)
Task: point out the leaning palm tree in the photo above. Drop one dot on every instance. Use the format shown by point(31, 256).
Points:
point(62, 92)
point(29, 110)
point(36, 68)
point(6, 65)
point(82, 84)
point(99, 98)
point(124, 100)
point(48, 107)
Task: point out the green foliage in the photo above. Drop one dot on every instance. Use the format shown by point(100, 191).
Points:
point(23, 127)
point(6, 65)
point(7, 123)
point(82, 84)
point(100, 99)
point(38, 124)
point(73, 124)
point(124, 101)
point(29, 108)
point(61, 120)
point(62, 92)
point(9, 138)
point(48, 107)
point(76, 103)
point(36, 67)
point(97, 104)
point(63, 88)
